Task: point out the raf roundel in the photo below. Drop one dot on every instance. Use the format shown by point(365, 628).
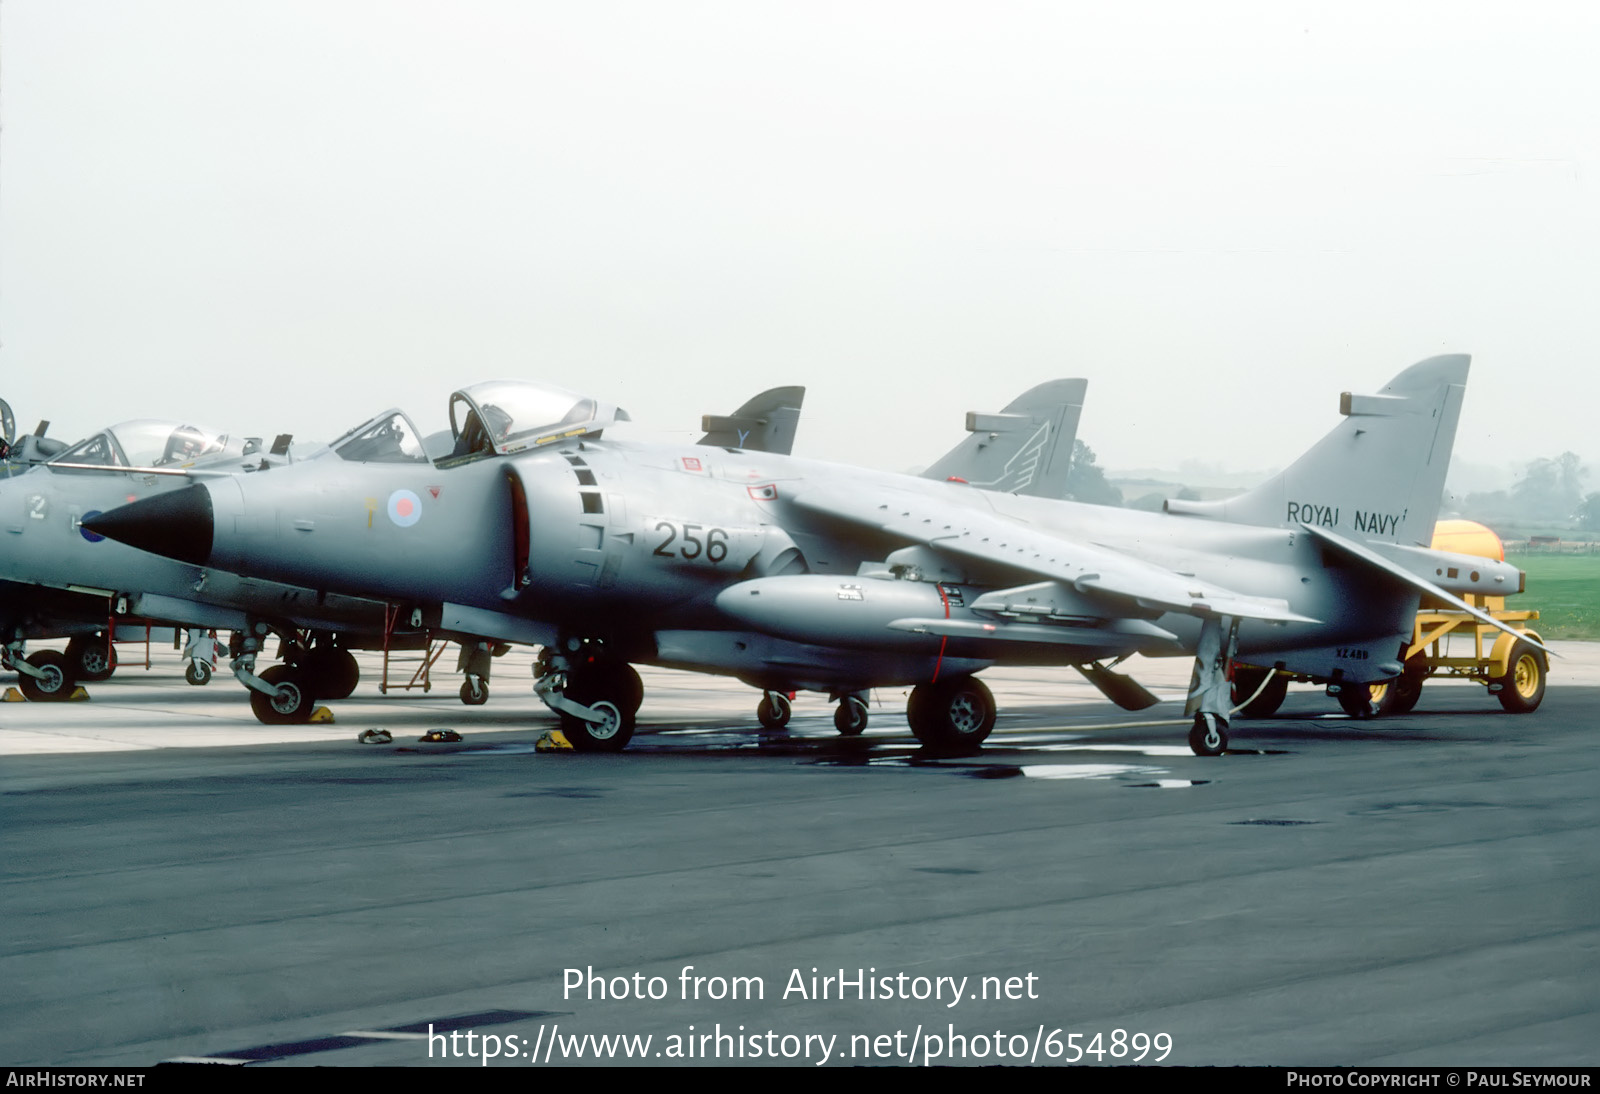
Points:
point(405, 508)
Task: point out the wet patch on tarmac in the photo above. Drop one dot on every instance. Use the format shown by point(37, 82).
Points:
point(1275, 822)
point(1394, 809)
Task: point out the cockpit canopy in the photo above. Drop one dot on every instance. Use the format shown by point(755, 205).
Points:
point(495, 418)
point(149, 442)
point(388, 438)
point(505, 416)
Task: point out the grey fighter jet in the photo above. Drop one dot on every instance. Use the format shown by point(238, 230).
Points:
point(58, 581)
point(544, 527)
point(1016, 449)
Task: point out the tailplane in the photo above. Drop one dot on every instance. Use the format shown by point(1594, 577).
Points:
point(1025, 449)
point(1378, 475)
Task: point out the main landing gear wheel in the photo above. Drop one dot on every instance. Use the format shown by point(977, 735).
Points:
point(198, 673)
point(291, 705)
point(334, 671)
point(952, 713)
point(474, 692)
point(1209, 737)
point(1400, 695)
point(850, 716)
point(1358, 701)
point(1246, 681)
point(774, 710)
point(612, 690)
point(93, 659)
point(56, 683)
point(1521, 688)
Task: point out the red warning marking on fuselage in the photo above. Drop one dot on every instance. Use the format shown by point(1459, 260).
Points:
point(690, 463)
point(766, 492)
point(434, 490)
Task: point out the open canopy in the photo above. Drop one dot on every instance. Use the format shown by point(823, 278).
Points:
point(506, 416)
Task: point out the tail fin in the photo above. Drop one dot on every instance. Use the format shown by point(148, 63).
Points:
point(1025, 449)
point(1379, 473)
point(766, 423)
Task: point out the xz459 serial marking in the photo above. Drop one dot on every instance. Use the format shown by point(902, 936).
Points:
point(1350, 653)
point(713, 548)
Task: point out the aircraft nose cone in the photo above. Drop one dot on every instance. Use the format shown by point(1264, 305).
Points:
point(177, 524)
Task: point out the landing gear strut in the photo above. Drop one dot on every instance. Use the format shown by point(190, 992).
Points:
point(474, 664)
point(283, 694)
point(201, 650)
point(1210, 695)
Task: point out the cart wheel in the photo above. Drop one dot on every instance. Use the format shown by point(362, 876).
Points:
point(1522, 687)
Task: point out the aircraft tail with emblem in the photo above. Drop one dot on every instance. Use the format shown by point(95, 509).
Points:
point(1379, 475)
point(1369, 491)
point(766, 423)
point(1024, 449)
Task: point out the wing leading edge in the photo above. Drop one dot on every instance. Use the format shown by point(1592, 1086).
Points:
point(992, 542)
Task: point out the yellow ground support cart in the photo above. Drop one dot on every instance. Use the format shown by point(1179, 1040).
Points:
point(1449, 642)
point(1445, 642)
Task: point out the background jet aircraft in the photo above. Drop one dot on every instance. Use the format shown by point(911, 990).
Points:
point(796, 574)
point(58, 581)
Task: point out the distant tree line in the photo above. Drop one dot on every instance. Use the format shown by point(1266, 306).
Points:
point(1550, 494)
point(1086, 481)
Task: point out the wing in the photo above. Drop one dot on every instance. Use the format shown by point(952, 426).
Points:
point(988, 541)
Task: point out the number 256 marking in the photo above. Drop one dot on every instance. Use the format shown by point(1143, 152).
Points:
point(713, 548)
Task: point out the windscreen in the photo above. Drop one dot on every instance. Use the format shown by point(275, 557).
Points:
point(389, 439)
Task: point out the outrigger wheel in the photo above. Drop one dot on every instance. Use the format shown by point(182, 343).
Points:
point(774, 710)
point(612, 689)
point(474, 691)
point(850, 716)
point(1209, 737)
point(957, 712)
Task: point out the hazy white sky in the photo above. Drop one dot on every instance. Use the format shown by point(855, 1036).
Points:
point(288, 216)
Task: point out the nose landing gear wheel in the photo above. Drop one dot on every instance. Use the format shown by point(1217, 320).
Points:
point(474, 692)
point(291, 705)
point(611, 734)
point(612, 690)
point(1209, 737)
point(198, 673)
point(56, 683)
